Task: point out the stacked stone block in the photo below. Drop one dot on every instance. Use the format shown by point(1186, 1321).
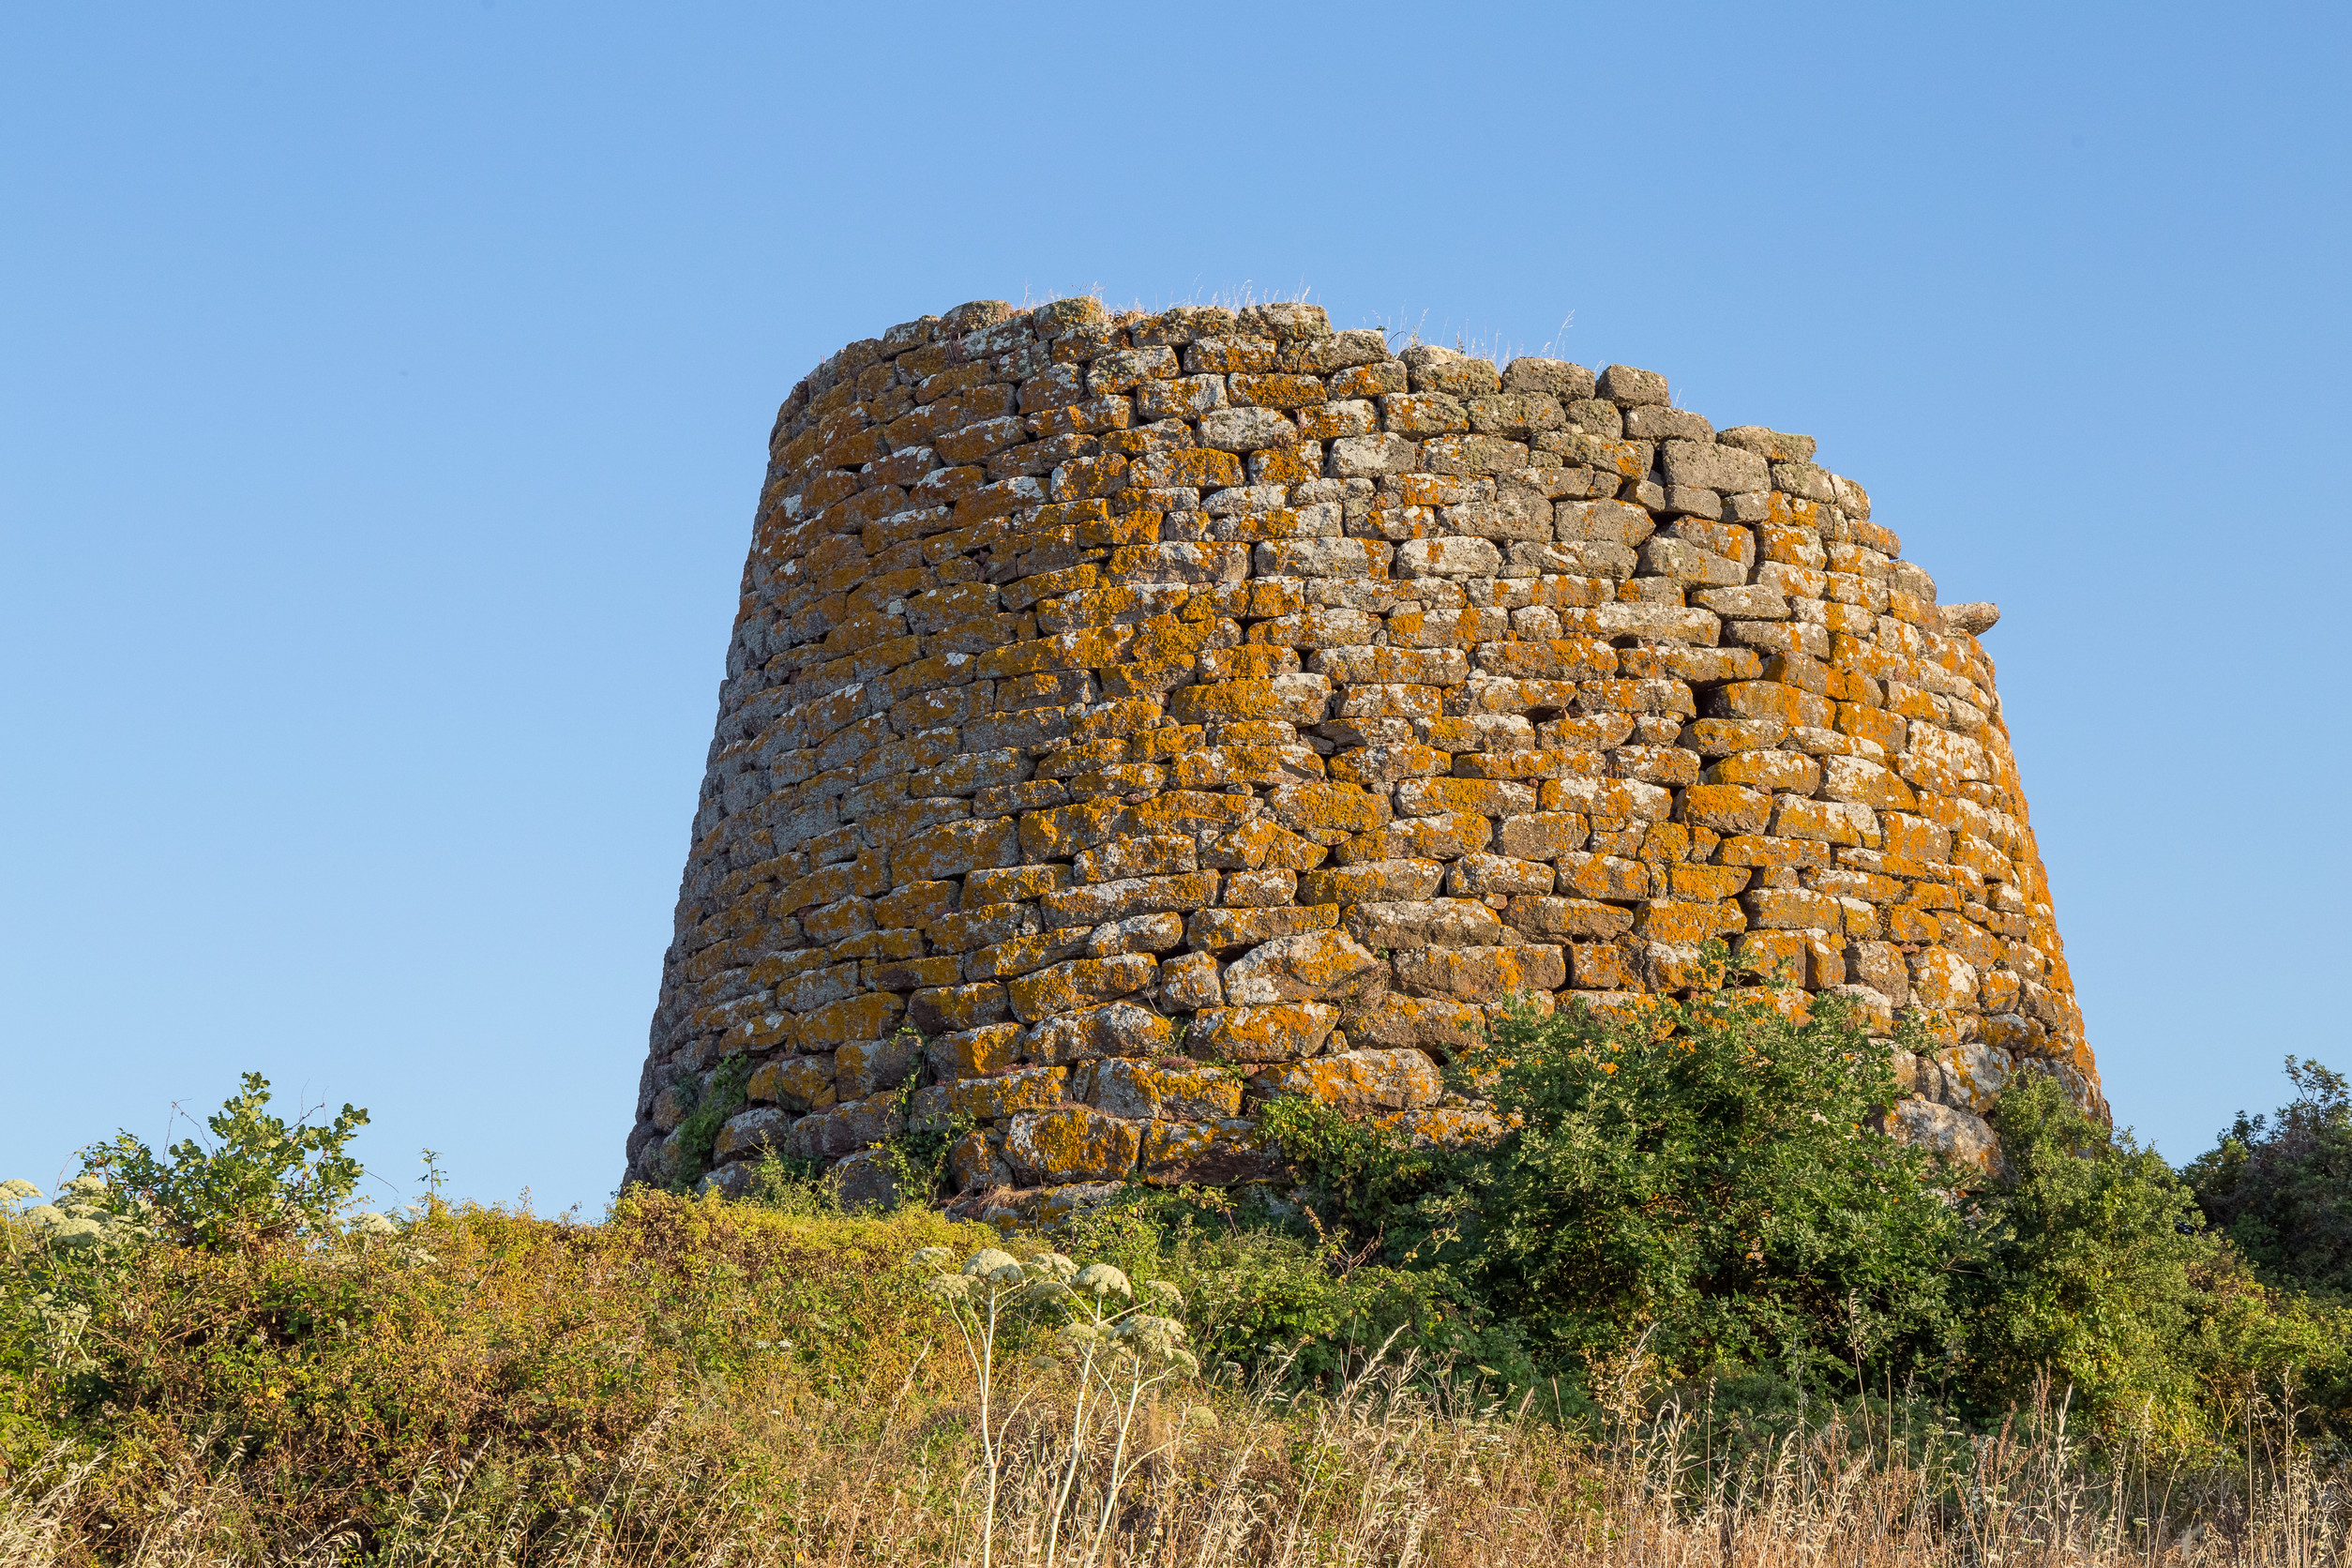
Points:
point(1131, 718)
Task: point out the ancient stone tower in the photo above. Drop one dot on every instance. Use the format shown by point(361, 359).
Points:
point(1113, 696)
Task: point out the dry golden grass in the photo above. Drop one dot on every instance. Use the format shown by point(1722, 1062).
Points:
point(707, 1383)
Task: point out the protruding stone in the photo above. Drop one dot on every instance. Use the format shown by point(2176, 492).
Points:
point(1361, 1080)
point(1318, 966)
point(1071, 1143)
point(1267, 1033)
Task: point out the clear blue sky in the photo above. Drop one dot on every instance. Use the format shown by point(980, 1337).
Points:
point(383, 392)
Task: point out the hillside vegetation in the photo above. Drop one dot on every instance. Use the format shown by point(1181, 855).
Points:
point(1691, 1308)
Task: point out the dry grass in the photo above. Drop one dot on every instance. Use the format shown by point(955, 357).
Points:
point(1381, 1474)
point(584, 1426)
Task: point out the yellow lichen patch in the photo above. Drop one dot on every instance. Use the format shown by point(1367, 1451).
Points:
point(1726, 808)
point(1338, 807)
point(1669, 920)
point(1079, 982)
point(1261, 1034)
point(1402, 1079)
point(1708, 882)
point(1071, 1143)
point(799, 1083)
point(989, 1099)
point(1311, 965)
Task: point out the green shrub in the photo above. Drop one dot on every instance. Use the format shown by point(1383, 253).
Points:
point(1705, 1179)
point(2282, 1191)
point(1277, 1303)
point(2091, 1265)
point(263, 1180)
point(697, 1133)
point(1360, 1179)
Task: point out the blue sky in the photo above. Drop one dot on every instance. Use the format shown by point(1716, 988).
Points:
point(383, 394)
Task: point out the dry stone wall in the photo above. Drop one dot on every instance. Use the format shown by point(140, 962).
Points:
point(1117, 701)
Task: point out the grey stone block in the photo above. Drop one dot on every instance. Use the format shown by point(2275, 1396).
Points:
point(1713, 466)
point(1631, 388)
point(1557, 377)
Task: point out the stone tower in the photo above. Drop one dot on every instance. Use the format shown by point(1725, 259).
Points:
point(1114, 694)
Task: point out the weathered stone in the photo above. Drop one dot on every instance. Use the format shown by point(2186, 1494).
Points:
point(1709, 466)
point(1372, 882)
point(1246, 430)
point(867, 1067)
point(1441, 1027)
point(1447, 558)
point(1424, 922)
point(1360, 1080)
point(1276, 1034)
point(1485, 876)
point(947, 1008)
point(750, 1133)
point(1960, 1137)
point(1973, 619)
point(866, 1181)
point(1313, 966)
point(1078, 983)
point(1973, 1074)
point(971, 1052)
point(1231, 930)
point(1139, 933)
point(1181, 1092)
point(1213, 1153)
point(1481, 973)
point(986, 1099)
point(1556, 919)
point(1115, 1029)
point(1071, 1143)
point(844, 1128)
point(1622, 383)
point(798, 1084)
point(1190, 981)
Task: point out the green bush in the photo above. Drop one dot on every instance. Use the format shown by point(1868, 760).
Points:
point(263, 1180)
point(1296, 1306)
point(2282, 1191)
point(1705, 1179)
point(2091, 1265)
point(707, 1113)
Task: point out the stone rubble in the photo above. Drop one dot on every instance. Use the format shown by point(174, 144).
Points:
point(1116, 695)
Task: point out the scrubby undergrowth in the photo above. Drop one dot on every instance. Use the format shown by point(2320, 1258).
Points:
point(1690, 1307)
point(707, 1381)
